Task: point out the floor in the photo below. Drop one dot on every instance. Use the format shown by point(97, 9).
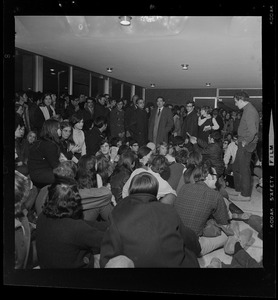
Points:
point(255, 206)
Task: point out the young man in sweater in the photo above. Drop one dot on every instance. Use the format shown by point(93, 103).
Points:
point(247, 142)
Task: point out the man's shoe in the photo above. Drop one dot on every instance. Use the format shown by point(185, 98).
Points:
point(245, 237)
point(234, 209)
point(215, 263)
point(229, 247)
point(232, 192)
point(241, 217)
point(234, 226)
point(240, 198)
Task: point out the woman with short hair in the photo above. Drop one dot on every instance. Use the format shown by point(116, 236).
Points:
point(148, 232)
point(78, 135)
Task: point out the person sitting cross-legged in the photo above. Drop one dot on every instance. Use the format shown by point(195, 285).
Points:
point(197, 202)
point(148, 232)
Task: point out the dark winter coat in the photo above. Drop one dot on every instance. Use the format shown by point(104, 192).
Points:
point(150, 233)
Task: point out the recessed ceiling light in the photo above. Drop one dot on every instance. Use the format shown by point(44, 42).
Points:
point(52, 70)
point(109, 70)
point(208, 84)
point(125, 20)
point(52, 73)
point(185, 66)
point(152, 85)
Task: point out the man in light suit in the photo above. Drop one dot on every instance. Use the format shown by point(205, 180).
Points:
point(160, 122)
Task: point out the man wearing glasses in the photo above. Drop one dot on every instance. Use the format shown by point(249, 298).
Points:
point(190, 123)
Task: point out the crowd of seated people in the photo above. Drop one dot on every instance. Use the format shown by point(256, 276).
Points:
point(103, 194)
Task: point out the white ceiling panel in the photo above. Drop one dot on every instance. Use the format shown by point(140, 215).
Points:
point(225, 51)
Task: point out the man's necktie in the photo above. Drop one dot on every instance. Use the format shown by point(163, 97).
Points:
point(158, 112)
point(50, 111)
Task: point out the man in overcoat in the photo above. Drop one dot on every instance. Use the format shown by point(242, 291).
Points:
point(160, 123)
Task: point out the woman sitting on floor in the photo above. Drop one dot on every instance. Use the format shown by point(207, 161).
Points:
point(148, 232)
point(121, 173)
point(64, 239)
point(96, 198)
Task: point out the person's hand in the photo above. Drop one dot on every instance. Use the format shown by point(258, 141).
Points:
point(193, 139)
point(116, 159)
point(113, 200)
point(207, 128)
point(243, 143)
point(75, 149)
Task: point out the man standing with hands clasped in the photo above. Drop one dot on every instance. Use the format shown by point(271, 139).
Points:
point(247, 141)
point(160, 123)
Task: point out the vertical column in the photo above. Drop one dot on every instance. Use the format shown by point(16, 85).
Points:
point(215, 102)
point(217, 96)
point(106, 85)
point(38, 74)
point(70, 81)
point(122, 90)
point(143, 93)
point(90, 84)
point(132, 91)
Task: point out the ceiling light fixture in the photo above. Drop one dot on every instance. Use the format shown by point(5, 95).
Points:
point(208, 84)
point(109, 70)
point(125, 20)
point(152, 85)
point(185, 67)
point(151, 19)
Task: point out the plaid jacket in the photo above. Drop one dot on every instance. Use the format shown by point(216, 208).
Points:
point(196, 203)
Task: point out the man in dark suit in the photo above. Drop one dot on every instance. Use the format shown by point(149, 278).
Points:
point(102, 111)
point(129, 113)
point(190, 123)
point(94, 136)
point(160, 123)
point(88, 114)
point(139, 124)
